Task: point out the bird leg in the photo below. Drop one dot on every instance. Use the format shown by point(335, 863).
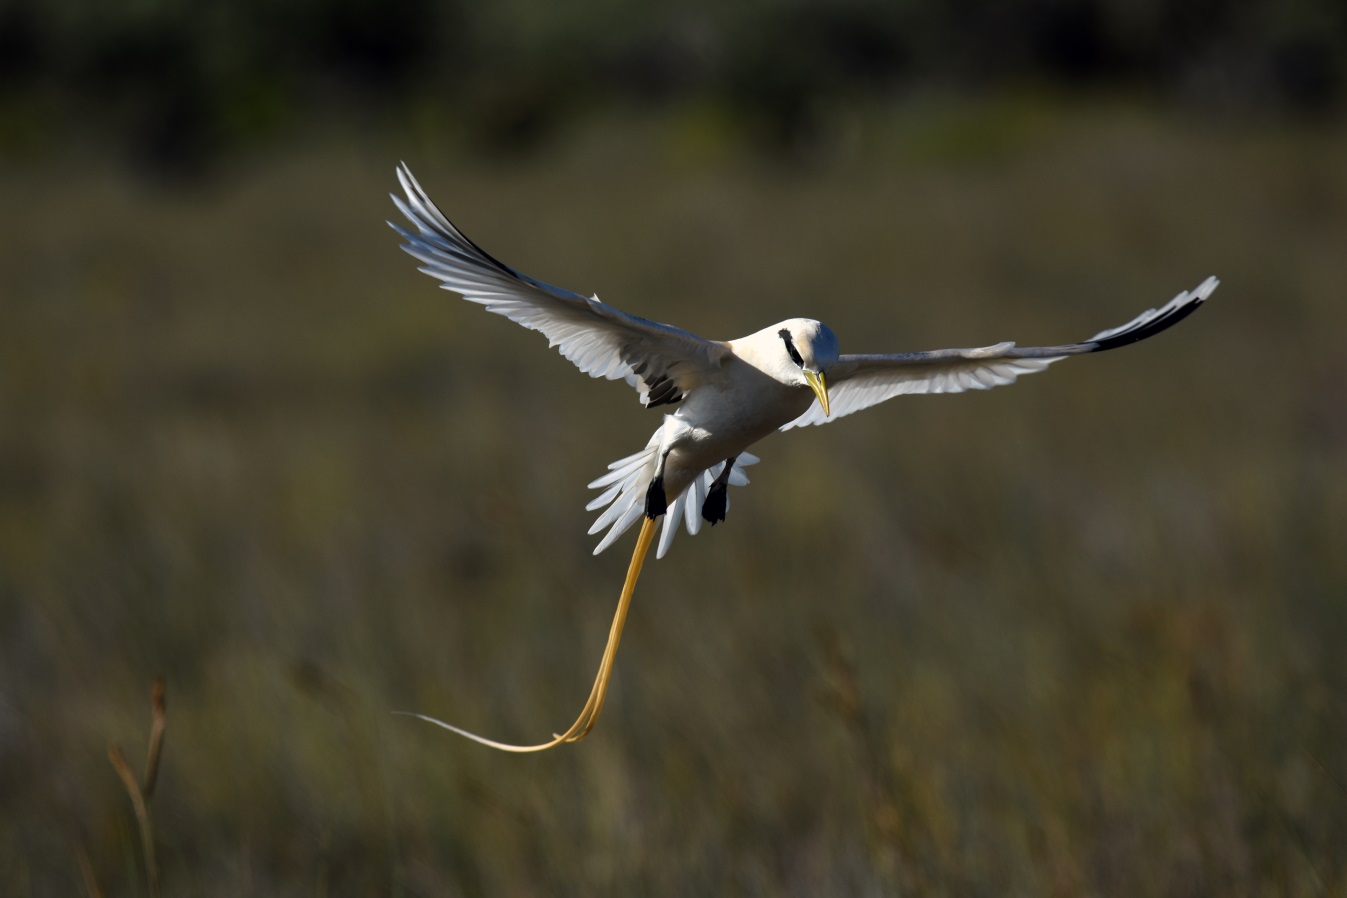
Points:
point(589, 714)
point(713, 509)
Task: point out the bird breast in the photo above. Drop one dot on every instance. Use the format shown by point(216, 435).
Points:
point(725, 415)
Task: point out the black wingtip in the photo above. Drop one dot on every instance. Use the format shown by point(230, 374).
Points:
point(1167, 318)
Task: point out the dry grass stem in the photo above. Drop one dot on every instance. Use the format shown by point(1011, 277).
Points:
point(156, 737)
point(140, 793)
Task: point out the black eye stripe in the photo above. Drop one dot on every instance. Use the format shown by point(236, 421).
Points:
point(790, 347)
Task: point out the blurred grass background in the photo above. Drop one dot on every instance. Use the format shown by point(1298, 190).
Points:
point(1082, 636)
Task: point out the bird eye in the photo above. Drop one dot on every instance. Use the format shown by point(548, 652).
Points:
point(790, 347)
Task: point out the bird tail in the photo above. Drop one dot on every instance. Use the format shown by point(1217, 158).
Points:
point(628, 480)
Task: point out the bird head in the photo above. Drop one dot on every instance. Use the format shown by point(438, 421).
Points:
point(807, 348)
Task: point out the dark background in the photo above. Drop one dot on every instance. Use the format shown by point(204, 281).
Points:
point(172, 85)
point(1078, 636)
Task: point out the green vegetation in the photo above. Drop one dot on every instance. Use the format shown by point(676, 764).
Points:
point(1080, 636)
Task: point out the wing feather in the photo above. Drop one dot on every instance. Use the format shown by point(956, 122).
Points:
point(856, 382)
point(660, 361)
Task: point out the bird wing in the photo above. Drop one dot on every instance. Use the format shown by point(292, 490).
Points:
point(660, 361)
point(860, 381)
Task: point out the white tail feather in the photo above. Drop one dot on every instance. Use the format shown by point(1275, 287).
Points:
point(627, 482)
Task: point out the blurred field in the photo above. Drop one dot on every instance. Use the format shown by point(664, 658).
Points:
point(1081, 636)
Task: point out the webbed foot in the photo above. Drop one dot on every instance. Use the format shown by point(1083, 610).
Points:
point(713, 509)
point(717, 498)
point(656, 503)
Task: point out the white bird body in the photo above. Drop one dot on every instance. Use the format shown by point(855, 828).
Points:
point(749, 396)
point(732, 393)
point(727, 415)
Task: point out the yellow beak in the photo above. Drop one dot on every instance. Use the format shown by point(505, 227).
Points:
point(820, 388)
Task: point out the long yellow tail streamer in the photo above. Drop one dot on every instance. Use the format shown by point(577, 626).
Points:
point(589, 714)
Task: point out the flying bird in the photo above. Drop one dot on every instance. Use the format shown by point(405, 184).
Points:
point(721, 397)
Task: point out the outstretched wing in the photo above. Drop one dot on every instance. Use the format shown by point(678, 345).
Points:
point(860, 381)
point(662, 362)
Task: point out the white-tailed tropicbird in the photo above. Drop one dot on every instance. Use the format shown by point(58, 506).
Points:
point(729, 394)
